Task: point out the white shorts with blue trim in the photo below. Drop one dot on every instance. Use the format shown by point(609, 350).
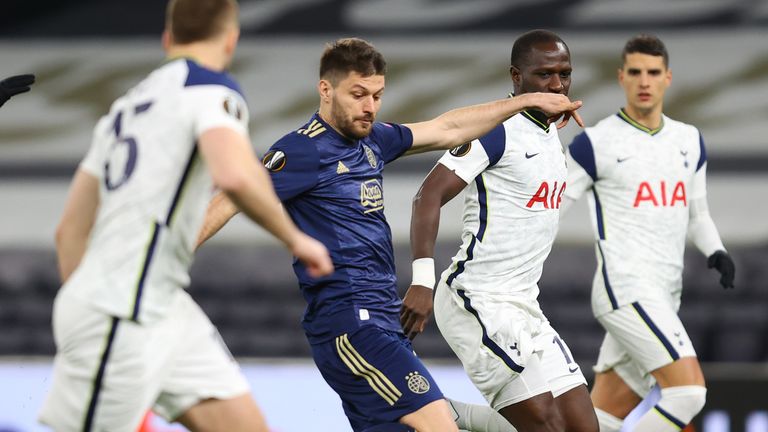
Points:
point(109, 372)
point(509, 354)
point(641, 337)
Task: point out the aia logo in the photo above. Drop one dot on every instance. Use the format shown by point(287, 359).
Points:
point(662, 196)
point(548, 196)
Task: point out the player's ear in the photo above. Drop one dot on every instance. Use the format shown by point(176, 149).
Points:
point(167, 39)
point(620, 75)
point(325, 89)
point(514, 73)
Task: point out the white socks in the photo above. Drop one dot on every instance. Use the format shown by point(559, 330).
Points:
point(478, 418)
point(675, 409)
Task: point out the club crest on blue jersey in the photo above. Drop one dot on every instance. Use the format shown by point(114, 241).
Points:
point(461, 150)
point(274, 160)
point(371, 157)
point(371, 195)
point(417, 383)
point(232, 107)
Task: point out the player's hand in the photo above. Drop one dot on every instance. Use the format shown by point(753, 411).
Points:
point(723, 263)
point(14, 85)
point(417, 308)
point(557, 106)
point(314, 255)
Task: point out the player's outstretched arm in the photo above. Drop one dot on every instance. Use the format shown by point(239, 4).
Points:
point(236, 172)
point(76, 222)
point(440, 186)
point(14, 85)
point(462, 125)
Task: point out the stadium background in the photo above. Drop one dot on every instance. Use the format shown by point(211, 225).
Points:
point(441, 54)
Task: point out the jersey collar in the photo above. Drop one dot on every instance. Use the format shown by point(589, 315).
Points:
point(624, 116)
point(536, 117)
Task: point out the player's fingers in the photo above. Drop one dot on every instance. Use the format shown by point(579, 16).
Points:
point(577, 117)
point(564, 120)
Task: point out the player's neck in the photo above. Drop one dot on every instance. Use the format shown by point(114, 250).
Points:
point(649, 118)
point(207, 55)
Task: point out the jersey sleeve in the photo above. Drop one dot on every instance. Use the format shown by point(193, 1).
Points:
point(702, 154)
point(468, 160)
point(216, 106)
point(582, 169)
point(393, 140)
point(93, 162)
point(293, 166)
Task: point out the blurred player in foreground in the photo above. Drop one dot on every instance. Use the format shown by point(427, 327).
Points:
point(128, 336)
point(647, 175)
point(328, 174)
point(486, 302)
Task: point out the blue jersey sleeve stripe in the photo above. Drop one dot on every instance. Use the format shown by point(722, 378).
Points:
point(656, 331)
point(494, 144)
point(702, 153)
point(583, 153)
point(199, 75)
point(487, 341)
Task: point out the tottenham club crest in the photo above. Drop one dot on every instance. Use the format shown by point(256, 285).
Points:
point(371, 157)
point(274, 160)
point(417, 383)
point(461, 150)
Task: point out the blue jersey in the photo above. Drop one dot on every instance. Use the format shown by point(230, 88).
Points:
point(333, 190)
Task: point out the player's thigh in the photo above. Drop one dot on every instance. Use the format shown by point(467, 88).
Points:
point(650, 332)
point(105, 371)
point(494, 344)
point(202, 369)
point(611, 394)
point(376, 374)
point(238, 414)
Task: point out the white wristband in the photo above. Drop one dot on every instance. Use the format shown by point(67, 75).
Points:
point(424, 272)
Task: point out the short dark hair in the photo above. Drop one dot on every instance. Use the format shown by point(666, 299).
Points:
point(350, 55)
point(525, 43)
point(645, 44)
point(198, 20)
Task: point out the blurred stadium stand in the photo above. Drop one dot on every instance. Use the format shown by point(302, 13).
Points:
point(86, 53)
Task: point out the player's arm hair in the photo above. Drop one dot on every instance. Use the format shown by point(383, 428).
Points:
point(220, 210)
point(245, 182)
point(463, 125)
point(440, 186)
point(76, 222)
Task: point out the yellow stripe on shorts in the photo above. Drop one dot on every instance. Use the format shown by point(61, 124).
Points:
point(357, 364)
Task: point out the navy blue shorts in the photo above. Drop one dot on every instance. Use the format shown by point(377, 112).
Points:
point(376, 374)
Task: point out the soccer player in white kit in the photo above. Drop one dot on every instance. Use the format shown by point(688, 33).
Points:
point(486, 302)
point(647, 176)
point(128, 337)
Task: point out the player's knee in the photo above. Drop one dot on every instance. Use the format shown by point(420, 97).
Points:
point(682, 402)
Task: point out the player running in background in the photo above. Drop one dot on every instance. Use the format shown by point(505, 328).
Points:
point(328, 174)
point(647, 175)
point(128, 336)
point(486, 302)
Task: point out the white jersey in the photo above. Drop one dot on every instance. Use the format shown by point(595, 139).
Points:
point(516, 176)
point(154, 188)
point(642, 183)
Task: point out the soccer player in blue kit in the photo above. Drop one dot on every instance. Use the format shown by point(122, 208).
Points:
point(328, 173)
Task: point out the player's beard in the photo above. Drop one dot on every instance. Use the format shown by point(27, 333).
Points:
point(347, 125)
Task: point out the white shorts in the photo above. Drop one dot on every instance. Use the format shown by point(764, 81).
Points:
point(108, 372)
point(640, 338)
point(508, 354)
